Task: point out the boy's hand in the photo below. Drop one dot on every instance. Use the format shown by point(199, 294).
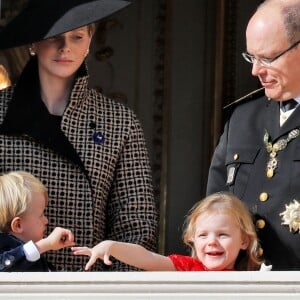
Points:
point(59, 238)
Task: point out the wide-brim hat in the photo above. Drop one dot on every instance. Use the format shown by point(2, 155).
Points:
point(42, 19)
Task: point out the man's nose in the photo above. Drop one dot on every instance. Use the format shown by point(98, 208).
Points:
point(257, 67)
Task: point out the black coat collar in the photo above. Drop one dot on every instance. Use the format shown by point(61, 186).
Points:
point(28, 115)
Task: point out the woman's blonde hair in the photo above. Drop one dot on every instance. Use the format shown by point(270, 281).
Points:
point(227, 203)
point(4, 78)
point(91, 28)
point(16, 190)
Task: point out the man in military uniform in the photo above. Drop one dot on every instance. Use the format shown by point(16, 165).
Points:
point(258, 155)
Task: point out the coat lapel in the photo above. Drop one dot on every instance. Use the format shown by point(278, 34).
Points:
point(292, 122)
point(272, 121)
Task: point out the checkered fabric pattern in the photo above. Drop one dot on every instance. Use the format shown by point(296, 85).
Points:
point(113, 197)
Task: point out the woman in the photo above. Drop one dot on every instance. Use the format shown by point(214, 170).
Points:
point(88, 150)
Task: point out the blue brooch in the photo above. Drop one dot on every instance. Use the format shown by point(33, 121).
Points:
point(98, 138)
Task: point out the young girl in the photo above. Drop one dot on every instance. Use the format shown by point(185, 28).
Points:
point(219, 231)
point(22, 224)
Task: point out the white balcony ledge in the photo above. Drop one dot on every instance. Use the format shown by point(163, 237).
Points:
point(150, 285)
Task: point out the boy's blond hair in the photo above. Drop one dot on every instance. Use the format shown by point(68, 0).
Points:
point(16, 190)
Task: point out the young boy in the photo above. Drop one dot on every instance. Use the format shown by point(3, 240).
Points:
point(22, 224)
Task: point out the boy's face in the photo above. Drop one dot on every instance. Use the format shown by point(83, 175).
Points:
point(33, 221)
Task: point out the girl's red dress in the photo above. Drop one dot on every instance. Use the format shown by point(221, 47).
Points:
point(187, 263)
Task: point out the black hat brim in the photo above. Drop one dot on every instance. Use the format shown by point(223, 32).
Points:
point(42, 19)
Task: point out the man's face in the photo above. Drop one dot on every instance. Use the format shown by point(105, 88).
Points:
point(266, 39)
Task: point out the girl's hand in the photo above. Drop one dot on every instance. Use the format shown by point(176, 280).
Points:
point(102, 251)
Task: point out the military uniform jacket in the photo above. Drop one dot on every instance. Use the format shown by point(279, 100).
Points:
point(109, 194)
point(240, 163)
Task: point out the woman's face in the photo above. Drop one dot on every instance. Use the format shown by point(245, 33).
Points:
point(62, 55)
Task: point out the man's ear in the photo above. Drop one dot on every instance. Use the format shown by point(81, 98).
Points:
point(16, 225)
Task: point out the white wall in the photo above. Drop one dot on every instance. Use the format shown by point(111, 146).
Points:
point(151, 285)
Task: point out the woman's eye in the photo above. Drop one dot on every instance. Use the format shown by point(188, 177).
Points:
point(52, 39)
point(77, 37)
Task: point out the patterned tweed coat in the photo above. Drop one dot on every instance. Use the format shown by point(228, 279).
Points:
point(109, 194)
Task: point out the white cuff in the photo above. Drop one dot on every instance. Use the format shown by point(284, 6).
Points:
point(264, 267)
point(31, 251)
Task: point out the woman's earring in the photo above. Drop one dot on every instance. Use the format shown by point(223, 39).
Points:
point(87, 52)
point(31, 51)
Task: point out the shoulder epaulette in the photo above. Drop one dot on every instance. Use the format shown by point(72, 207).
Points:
point(246, 97)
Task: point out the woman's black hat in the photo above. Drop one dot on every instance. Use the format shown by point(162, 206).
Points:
point(42, 19)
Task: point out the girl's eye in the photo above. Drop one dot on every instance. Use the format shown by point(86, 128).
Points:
point(202, 235)
point(223, 235)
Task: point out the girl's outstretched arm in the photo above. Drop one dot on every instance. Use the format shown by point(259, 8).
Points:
point(131, 254)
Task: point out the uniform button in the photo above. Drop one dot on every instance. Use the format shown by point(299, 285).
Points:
point(235, 156)
point(7, 262)
point(260, 224)
point(260, 251)
point(263, 197)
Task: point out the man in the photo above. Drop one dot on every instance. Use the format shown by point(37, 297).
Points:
point(258, 155)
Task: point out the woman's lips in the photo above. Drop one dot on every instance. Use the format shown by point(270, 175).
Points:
point(63, 60)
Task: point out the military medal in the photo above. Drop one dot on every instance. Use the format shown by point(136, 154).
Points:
point(273, 149)
point(291, 216)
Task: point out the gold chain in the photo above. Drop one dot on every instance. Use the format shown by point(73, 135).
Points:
point(273, 149)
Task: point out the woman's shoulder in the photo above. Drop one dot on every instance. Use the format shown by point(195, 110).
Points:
point(6, 94)
point(111, 105)
point(5, 97)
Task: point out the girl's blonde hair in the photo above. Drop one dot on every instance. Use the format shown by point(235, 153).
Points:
point(16, 190)
point(227, 203)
